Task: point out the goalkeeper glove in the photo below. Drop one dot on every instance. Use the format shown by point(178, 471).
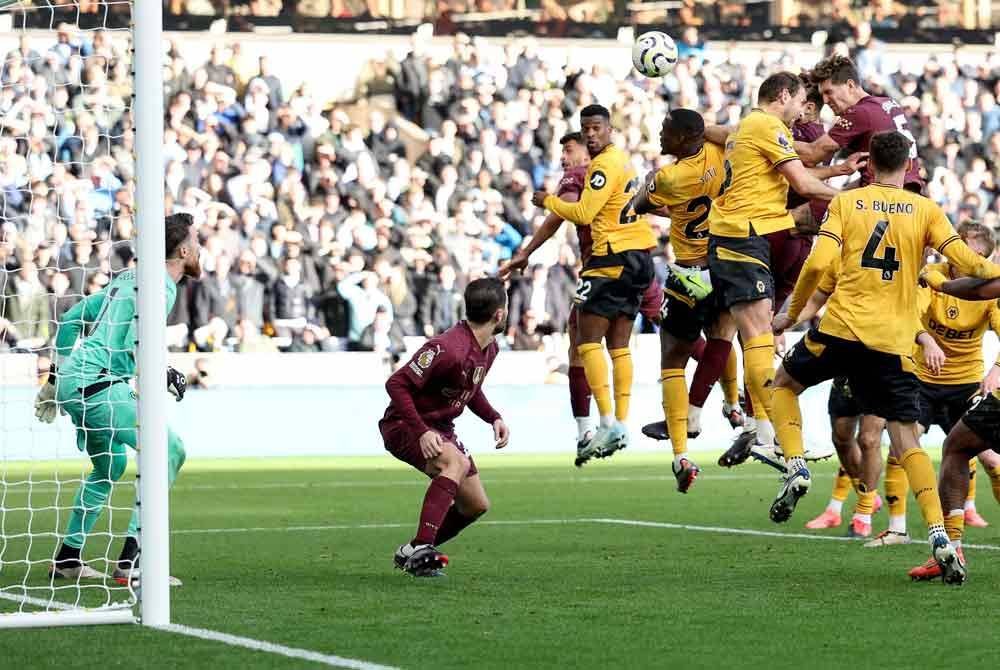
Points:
point(176, 383)
point(46, 406)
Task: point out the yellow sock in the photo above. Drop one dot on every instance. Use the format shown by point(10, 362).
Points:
point(920, 474)
point(972, 483)
point(759, 411)
point(595, 366)
point(621, 373)
point(841, 486)
point(758, 357)
point(954, 525)
point(866, 499)
point(730, 389)
point(994, 474)
point(896, 487)
point(675, 407)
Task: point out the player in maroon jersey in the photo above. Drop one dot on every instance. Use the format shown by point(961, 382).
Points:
point(427, 394)
point(574, 160)
point(860, 116)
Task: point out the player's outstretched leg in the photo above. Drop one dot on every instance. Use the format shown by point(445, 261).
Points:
point(972, 516)
point(579, 396)
point(127, 568)
point(831, 516)
point(896, 490)
point(789, 427)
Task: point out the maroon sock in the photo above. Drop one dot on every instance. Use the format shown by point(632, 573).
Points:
point(579, 391)
point(437, 501)
point(748, 401)
point(454, 523)
point(710, 368)
point(698, 349)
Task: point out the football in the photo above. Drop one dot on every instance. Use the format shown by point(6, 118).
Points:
point(654, 54)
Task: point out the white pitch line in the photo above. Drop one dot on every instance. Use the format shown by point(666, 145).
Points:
point(535, 522)
point(37, 602)
point(271, 648)
point(754, 532)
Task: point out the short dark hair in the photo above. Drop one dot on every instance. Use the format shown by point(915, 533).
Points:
point(687, 122)
point(178, 227)
point(771, 88)
point(575, 136)
point(483, 297)
point(838, 69)
point(595, 110)
point(813, 94)
point(973, 230)
point(890, 150)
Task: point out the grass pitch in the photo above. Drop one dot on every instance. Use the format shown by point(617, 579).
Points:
point(299, 552)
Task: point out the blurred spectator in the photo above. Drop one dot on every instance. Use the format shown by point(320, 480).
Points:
point(383, 336)
point(216, 306)
point(443, 306)
point(25, 306)
point(291, 306)
point(200, 378)
point(544, 295)
point(363, 295)
point(526, 336)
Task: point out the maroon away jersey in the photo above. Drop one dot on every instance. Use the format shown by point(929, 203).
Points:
point(809, 131)
point(874, 114)
point(572, 182)
point(443, 377)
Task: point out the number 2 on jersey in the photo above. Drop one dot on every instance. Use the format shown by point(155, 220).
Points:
point(628, 214)
point(888, 264)
point(692, 230)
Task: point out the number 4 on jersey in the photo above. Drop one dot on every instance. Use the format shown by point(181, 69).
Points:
point(888, 264)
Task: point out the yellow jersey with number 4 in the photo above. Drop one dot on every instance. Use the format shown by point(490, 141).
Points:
point(958, 327)
point(687, 189)
point(606, 205)
point(754, 194)
point(880, 233)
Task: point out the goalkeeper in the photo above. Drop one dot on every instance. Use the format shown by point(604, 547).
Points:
point(91, 385)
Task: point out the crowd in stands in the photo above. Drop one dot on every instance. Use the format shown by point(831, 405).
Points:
point(325, 233)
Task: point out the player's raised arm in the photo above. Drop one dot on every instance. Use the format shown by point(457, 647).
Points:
point(820, 150)
point(718, 134)
point(803, 181)
point(943, 237)
point(828, 244)
point(596, 193)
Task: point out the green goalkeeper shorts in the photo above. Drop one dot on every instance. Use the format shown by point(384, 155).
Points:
point(105, 419)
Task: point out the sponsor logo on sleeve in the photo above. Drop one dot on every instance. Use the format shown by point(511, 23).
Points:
point(598, 180)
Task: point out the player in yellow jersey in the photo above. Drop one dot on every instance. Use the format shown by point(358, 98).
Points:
point(685, 189)
point(760, 165)
point(851, 427)
point(613, 280)
point(974, 434)
point(880, 232)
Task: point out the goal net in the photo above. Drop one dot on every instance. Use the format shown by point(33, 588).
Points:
point(68, 169)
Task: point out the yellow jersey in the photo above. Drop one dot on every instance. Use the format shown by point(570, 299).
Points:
point(880, 233)
point(958, 327)
point(606, 205)
point(754, 194)
point(687, 189)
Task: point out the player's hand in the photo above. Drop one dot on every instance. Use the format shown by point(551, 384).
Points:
point(538, 198)
point(176, 383)
point(780, 346)
point(992, 381)
point(502, 434)
point(854, 163)
point(431, 445)
point(933, 279)
point(781, 323)
point(46, 406)
point(934, 358)
point(517, 263)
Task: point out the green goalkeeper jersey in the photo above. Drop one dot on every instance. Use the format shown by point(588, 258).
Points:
point(107, 352)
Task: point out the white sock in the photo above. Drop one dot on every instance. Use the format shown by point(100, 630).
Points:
point(607, 421)
point(694, 419)
point(765, 431)
point(835, 506)
point(677, 459)
point(583, 426)
point(864, 518)
point(970, 505)
point(795, 464)
point(897, 524)
point(750, 425)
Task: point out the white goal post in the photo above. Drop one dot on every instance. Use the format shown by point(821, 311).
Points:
point(75, 178)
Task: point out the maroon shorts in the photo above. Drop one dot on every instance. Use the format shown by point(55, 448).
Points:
point(652, 300)
point(404, 443)
point(788, 255)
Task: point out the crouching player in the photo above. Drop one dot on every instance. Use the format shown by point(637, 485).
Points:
point(427, 395)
